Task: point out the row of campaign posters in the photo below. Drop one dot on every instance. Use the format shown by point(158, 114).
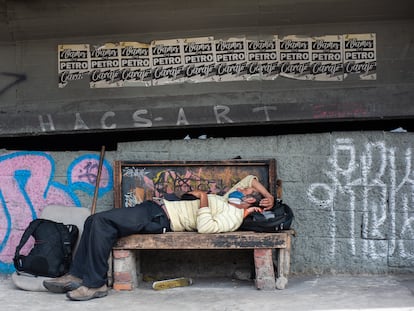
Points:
point(326, 58)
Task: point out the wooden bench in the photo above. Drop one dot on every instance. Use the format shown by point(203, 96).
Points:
point(126, 251)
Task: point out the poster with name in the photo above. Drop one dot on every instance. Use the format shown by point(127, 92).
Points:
point(167, 62)
point(326, 58)
point(73, 62)
point(105, 66)
point(199, 59)
point(208, 59)
point(231, 63)
point(262, 59)
point(135, 64)
point(360, 56)
point(295, 57)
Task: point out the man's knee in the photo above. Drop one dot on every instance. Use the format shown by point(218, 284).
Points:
point(88, 221)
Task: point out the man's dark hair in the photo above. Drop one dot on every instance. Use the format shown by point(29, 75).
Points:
point(257, 196)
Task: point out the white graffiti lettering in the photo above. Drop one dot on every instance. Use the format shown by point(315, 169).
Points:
point(369, 182)
point(219, 114)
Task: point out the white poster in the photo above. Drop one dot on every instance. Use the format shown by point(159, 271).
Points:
point(167, 61)
point(231, 60)
point(199, 59)
point(105, 66)
point(206, 59)
point(73, 62)
point(262, 59)
point(360, 56)
point(326, 57)
point(295, 57)
point(135, 64)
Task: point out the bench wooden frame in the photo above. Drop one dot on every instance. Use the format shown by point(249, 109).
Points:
point(264, 245)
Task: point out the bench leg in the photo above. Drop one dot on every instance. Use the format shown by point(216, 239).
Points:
point(125, 270)
point(283, 264)
point(265, 273)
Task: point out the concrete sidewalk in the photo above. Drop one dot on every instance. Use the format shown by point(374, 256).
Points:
point(382, 293)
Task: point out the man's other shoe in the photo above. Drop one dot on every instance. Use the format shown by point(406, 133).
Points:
point(62, 284)
point(86, 293)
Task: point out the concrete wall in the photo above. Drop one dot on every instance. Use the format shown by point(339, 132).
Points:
point(352, 194)
point(29, 181)
point(32, 102)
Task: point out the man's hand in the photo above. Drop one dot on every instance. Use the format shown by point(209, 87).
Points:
point(202, 196)
point(252, 209)
point(267, 203)
point(197, 193)
point(269, 200)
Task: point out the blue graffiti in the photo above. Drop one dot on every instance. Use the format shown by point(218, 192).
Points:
point(25, 169)
point(22, 176)
point(86, 179)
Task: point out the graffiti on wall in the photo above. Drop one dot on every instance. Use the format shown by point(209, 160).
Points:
point(15, 78)
point(28, 184)
point(140, 185)
point(156, 180)
point(378, 184)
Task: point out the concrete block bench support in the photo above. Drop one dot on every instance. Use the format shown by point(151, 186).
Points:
point(125, 251)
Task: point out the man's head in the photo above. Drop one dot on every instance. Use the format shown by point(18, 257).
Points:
point(253, 198)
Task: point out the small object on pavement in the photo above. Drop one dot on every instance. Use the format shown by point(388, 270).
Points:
point(171, 283)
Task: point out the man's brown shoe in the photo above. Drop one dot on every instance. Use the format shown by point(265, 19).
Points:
point(85, 293)
point(62, 284)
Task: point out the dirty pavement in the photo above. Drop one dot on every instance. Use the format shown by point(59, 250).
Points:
point(382, 293)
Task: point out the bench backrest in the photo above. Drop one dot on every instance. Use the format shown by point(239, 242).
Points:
point(135, 182)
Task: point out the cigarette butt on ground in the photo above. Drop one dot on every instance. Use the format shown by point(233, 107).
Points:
point(171, 283)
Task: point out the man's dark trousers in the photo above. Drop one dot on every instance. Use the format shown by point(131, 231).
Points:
point(101, 231)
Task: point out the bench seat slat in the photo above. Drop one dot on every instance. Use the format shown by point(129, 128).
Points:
point(192, 240)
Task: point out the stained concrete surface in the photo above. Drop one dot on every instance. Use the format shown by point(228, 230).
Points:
point(382, 293)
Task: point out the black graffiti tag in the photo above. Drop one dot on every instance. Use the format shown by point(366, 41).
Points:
point(18, 78)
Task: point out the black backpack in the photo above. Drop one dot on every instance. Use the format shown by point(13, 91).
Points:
point(279, 218)
point(51, 254)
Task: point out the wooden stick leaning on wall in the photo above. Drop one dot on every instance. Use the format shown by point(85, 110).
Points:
point(93, 207)
point(98, 180)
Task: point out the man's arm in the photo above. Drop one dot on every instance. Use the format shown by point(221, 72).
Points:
point(269, 200)
point(219, 217)
point(242, 205)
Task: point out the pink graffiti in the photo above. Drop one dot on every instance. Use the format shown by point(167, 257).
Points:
point(86, 171)
point(25, 197)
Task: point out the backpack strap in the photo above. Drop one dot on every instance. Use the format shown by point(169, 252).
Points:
point(66, 243)
point(34, 224)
